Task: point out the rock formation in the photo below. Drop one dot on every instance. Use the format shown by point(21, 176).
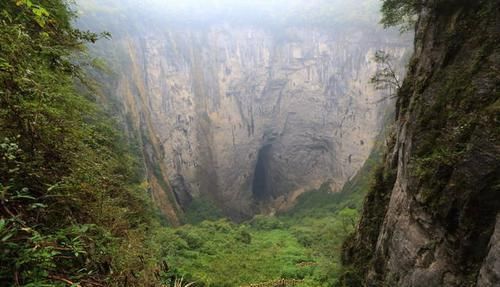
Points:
point(431, 218)
point(250, 117)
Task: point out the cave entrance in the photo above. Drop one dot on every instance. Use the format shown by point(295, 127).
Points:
point(260, 185)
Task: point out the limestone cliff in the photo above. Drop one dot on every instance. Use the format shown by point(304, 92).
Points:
point(248, 116)
point(432, 216)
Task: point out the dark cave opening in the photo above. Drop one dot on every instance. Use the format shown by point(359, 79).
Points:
point(260, 185)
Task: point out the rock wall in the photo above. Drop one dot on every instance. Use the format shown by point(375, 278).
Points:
point(250, 117)
point(431, 218)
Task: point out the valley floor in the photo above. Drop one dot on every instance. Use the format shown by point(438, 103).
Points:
point(303, 244)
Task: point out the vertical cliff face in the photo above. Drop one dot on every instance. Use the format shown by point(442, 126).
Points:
point(251, 118)
point(245, 114)
point(431, 218)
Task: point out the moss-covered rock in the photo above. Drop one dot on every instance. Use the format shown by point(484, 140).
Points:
point(432, 224)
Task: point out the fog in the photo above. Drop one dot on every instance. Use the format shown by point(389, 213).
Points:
point(325, 13)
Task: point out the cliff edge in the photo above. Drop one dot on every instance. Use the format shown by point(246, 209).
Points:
point(432, 215)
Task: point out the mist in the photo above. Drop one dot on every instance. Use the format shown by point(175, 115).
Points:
point(274, 13)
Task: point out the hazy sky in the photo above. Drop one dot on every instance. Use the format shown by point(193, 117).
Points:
point(201, 11)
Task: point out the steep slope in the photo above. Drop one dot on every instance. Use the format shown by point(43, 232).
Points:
point(73, 206)
point(249, 116)
point(431, 218)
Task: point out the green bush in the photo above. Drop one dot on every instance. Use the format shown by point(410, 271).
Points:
point(73, 207)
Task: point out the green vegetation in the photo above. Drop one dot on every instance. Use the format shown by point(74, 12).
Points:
point(358, 252)
point(73, 207)
point(221, 253)
point(386, 77)
point(303, 243)
point(402, 13)
point(201, 209)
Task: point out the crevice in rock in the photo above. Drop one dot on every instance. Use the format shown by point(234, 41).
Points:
point(261, 179)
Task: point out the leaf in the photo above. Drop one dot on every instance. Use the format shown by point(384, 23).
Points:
point(40, 12)
point(84, 228)
point(40, 21)
point(6, 237)
point(52, 187)
point(37, 12)
point(22, 196)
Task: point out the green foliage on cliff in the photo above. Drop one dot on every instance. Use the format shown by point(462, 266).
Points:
point(72, 205)
point(400, 13)
point(448, 110)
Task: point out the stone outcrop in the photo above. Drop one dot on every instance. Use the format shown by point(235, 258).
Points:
point(431, 218)
point(247, 116)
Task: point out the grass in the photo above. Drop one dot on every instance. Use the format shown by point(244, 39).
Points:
point(303, 243)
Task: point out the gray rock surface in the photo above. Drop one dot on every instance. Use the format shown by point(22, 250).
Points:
point(248, 118)
point(252, 118)
point(438, 221)
point(489, 275)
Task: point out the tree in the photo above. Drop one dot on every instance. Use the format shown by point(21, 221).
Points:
point(400, 13)
point(386, 77)
point(348, 217)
